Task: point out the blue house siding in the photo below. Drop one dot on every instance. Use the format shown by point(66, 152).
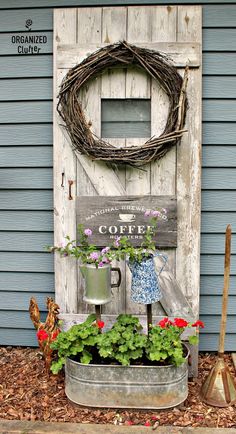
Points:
point(26, 204)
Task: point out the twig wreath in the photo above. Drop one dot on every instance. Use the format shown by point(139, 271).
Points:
point(157, 66)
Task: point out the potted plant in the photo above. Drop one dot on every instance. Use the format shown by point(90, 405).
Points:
point(95, 266)
point(144, 286)
point(122, 366)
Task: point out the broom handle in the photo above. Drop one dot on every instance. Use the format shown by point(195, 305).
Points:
point(225, 290)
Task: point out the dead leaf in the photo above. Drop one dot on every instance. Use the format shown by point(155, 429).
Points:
point(12, 412)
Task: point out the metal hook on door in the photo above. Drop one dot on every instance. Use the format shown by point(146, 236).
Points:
point(70, 185)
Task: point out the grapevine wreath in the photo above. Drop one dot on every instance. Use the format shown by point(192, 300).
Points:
point(157, 66)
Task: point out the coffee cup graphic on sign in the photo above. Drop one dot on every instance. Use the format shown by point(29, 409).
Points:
point(127, 218)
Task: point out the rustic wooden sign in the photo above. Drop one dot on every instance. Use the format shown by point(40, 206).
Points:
point(112, 216)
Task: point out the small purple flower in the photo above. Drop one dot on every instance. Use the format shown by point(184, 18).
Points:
point(155, 213)
point(117, 242)
point(88, 232)
point(100, 264)
point(105, 260)
point(147, 213)
point(65, 254)
point(94, 256)
point(105, 250)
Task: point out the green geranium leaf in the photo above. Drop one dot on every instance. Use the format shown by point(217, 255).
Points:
point(86, 357)
point(193, 340)
point(57, 366)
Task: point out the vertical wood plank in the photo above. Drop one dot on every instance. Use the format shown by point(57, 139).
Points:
point(164, 23)
point(113, 86)
point(189, 24)
point(189, 169)
point(137, 86)
point(89, 25)
point(163, 171)
point(137, 83)
point(114, 24)
point(113, 83)
point(64, 26)
point(139, 24)
point(64, 162)
point(89, 30)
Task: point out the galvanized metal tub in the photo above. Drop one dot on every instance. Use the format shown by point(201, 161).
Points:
point(145, 387)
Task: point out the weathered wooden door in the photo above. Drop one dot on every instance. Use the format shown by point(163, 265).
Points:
point(175, 30)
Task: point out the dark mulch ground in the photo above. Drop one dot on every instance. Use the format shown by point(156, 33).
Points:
point(26, 394)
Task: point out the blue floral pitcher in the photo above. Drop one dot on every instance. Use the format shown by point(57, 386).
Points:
point(145, 287)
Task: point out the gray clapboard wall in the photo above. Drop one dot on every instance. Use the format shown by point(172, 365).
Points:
point(26, 220)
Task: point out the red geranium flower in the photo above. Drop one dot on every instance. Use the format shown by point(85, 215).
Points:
point(180, 322)
point(100, 324)
point(199, 324)
point(147, 423)
point(42, 335)
point(55, 334)
point(129, 422)
point(165, 322)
